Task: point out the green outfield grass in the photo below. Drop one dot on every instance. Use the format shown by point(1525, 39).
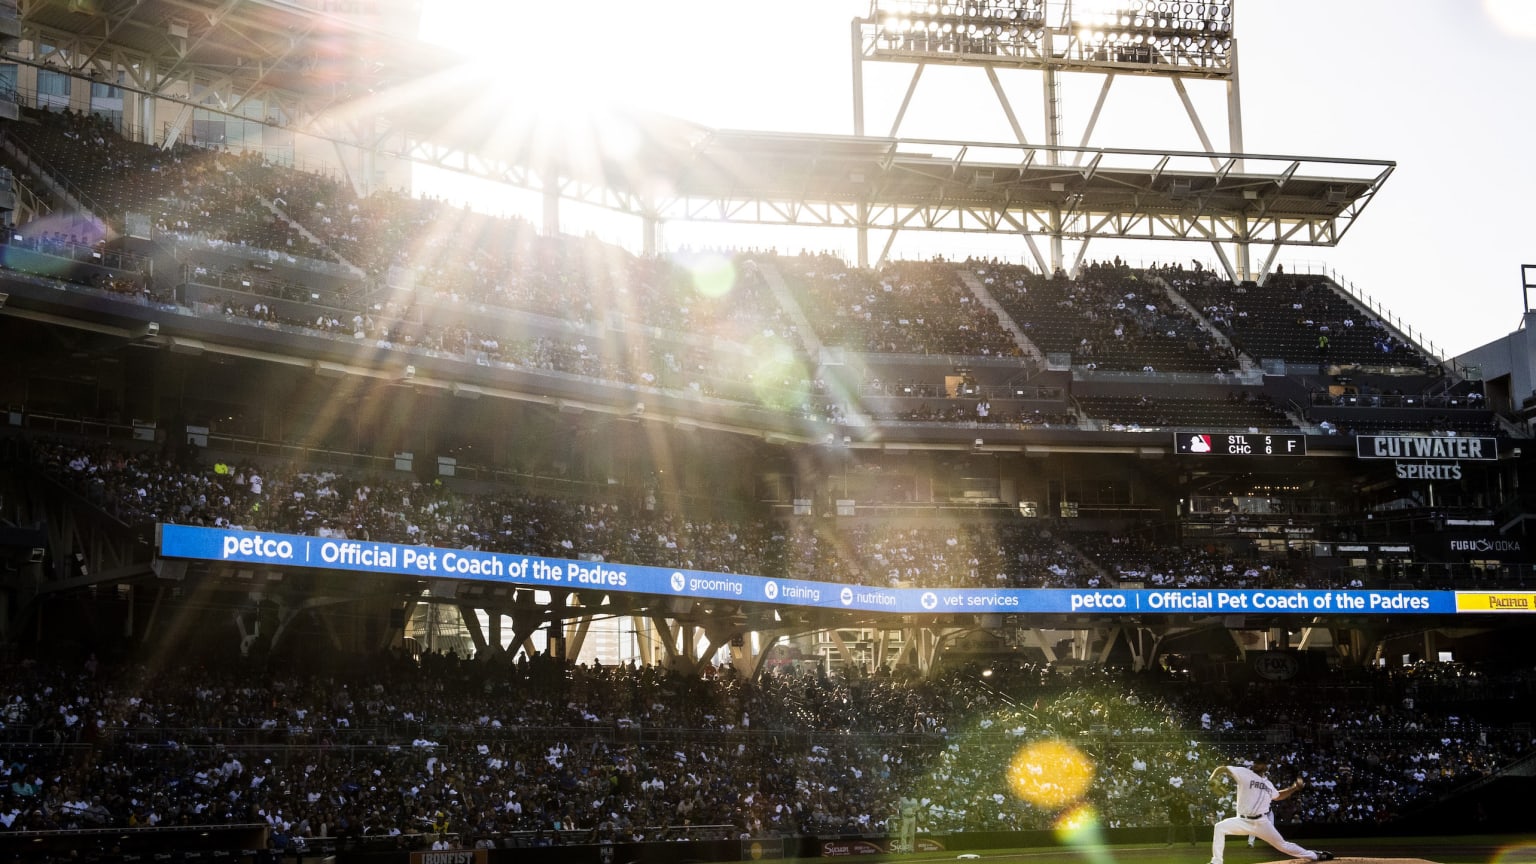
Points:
point(1511, 849)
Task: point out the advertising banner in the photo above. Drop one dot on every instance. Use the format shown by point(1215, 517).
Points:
point(358, 556)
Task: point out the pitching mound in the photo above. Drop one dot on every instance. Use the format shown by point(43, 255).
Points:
point(1361, 860)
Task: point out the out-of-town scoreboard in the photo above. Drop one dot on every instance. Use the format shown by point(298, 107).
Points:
point(1240, 444)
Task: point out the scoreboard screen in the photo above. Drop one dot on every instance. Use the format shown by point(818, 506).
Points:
point(1242, 444)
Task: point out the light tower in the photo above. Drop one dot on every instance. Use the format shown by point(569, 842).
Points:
point(1177, 41)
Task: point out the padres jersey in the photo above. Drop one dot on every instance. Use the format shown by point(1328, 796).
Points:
point(1254, 793)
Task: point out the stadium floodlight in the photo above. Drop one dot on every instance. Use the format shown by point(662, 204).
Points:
point(1173, 27)
point(1179, 42)
point(978, 28)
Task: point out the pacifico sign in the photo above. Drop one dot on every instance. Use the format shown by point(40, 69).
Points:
point(1495, 601)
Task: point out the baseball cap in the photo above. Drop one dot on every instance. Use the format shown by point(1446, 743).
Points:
point(1260, 759)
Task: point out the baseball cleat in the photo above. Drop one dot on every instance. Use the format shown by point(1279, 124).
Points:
point(1324, 856)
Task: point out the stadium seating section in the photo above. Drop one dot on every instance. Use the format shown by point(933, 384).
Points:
point(534, 751)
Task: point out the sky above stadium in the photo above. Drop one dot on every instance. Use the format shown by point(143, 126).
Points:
point(1440, 87)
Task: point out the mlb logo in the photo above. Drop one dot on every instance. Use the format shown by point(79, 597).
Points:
point(1198, 444)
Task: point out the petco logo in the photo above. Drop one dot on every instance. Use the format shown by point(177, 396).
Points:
point(1097, 600)
point(679, 581)
point(258, 547)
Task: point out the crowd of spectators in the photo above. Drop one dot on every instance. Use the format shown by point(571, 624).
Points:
point(1132, 559)
point(983, 412)
point(1011, 553)
point(1145, 412)
point(430, 254)
point(903, 308)
point(146, 486)
point(1000, 549)
point(1111, 318)
point(430, 270)
point(765, 372)
point(540, 750)
point(182, 189)
point(1297, 318)
point(267, 281)
point(117, 273)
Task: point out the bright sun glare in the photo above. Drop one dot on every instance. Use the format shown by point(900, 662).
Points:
point(544, 46)
point(547, 75)
point(1513, 17)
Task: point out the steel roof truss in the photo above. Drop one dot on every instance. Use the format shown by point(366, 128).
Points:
point(1093, 118)
point(111, 22)
point(891, 237)
point(1285, 176)
point(1093, 167)
point(264, 69)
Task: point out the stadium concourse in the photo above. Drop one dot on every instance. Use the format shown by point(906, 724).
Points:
point(376, 526)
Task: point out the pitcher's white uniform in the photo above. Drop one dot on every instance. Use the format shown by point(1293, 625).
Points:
point(1255, 794)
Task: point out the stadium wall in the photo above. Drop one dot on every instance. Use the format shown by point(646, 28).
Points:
point(858, 845)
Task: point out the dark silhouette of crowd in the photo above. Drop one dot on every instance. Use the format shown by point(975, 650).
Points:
point(763, 368)
point(211, 194)
point(538, 750)
point(149, 484)
point(1298, 318)
point(905, 307)
point(1111, 318)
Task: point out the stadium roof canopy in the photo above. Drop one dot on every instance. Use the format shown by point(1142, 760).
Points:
point(316, 62)
point(1002, 188)
point(666, 169)
point(298, 57)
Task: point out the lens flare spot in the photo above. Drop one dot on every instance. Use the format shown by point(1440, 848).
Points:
point(1076, 822)
point(1050, 774)
point(714, 275)
point(1525, 854)
point(1078, 827)
point(54, 243)
point(777, 379)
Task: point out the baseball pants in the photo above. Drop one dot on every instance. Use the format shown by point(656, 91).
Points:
point(1261, 828)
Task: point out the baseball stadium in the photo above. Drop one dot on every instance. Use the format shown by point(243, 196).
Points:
point(406, 459)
